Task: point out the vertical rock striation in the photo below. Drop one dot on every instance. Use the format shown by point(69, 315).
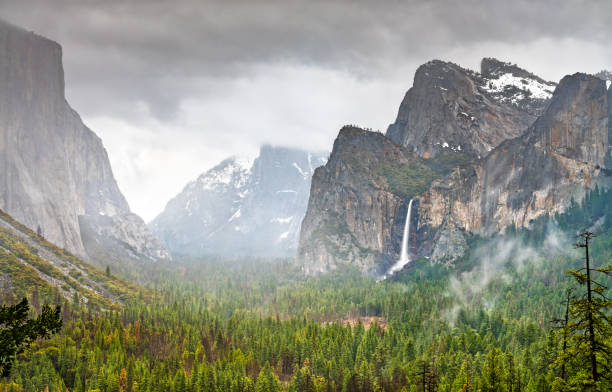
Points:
point(557, 158)
point(55, 174)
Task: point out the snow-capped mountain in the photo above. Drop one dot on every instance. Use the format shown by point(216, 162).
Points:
point(451, 107)
point(242, 207)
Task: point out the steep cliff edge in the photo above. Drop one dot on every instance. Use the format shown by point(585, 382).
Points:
point(359, 199)
point(56, 177)
point(609, 156)
point(538, 173)
point(450, 107)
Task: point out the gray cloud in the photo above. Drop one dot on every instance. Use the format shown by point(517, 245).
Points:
point(188, 82)
point(148, 50)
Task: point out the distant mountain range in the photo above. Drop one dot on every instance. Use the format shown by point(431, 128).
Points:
point(242, 207)
point(57, 180)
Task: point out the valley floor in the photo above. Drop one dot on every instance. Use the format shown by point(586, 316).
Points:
point(259, 325)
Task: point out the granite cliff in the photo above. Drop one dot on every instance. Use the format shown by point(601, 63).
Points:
point(561, 155)
point(56, 177)
point(483, 151)
point(359, 199)
point(449, 107)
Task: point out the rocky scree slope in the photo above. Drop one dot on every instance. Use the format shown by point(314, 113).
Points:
point(56, 175)
point(29, 263)
point(242, 207)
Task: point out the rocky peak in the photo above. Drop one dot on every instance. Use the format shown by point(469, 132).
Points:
point(450, 107)
point(576, 122)
point(231, 172)
point(605, 75)
point(556, 159)
point(509, 84)
point(48, 81)
point(492, 68)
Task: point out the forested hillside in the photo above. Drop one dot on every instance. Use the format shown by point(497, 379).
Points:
point(484, 324)
point(32, 266)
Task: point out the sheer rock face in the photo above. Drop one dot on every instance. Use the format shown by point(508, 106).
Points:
point(242, 207)
point(55, 171)
point(354, 215)
point(558, 157)
point(357, 207)
point(576, 122)
point(609, 156)
point(452, 107)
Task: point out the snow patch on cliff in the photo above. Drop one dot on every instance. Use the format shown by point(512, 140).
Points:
point(530, 87)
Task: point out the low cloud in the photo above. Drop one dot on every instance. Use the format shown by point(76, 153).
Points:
point(493, 262)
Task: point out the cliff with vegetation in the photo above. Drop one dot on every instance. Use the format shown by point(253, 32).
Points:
point(359, 199)
point(525, 152)
point(558, 158)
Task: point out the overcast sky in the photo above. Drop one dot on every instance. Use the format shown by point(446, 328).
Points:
point(173, 87)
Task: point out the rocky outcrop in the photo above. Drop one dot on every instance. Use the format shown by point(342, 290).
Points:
point(449, 107)
point(359, 199)
point(559, 156)
point(55, 171)
point(242, 207)
point(575, 124)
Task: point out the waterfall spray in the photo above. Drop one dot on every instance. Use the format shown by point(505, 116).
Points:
point(404, 256)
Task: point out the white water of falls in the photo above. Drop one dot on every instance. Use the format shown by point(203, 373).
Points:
point(404, 257)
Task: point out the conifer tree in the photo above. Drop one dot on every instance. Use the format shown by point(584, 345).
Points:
point(17, 331)
point(493, 373)
point(589, 348)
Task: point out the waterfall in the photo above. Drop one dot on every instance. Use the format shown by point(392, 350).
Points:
point(404, 257)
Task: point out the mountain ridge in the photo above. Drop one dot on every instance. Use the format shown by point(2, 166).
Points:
point(241, 207)
point(449, 106)
point(554, 160)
